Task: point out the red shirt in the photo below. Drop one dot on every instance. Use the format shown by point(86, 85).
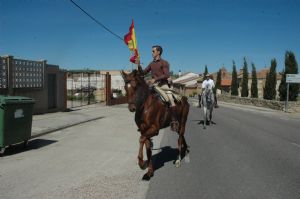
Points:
point(159, 70)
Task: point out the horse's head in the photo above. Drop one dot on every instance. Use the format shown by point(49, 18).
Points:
point(133, 81)
point(207, 90)
point(207, 96)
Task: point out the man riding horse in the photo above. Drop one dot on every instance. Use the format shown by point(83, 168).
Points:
point(159, 69)
point(151, 112)
point(207, 84)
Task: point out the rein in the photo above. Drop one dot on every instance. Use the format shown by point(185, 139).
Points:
point(141, 95)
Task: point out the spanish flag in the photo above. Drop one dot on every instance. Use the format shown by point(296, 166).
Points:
point(130, 41)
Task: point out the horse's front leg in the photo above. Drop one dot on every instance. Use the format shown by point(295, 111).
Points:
point(141, 161)
point(210, 114)
point(150, 172)
point(205, 116)
point(145, 138)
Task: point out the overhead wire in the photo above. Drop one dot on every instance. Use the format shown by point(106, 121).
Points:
point(99, 23)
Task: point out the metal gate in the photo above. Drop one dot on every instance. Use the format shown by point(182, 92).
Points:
point(85, 87)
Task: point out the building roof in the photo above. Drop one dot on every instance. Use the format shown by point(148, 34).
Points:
point(185, 81)
point(186, 77)
point(225, 82)
point(262, 74)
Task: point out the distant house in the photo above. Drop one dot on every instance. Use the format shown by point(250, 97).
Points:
point(187, 84)
point(226, 85)
point(225, 80)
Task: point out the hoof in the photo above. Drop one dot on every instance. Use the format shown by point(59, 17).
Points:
point(147, 177)
point(204, 127)
point(177, 163)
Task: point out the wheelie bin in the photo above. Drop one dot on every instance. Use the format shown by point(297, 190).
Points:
point(15, 120)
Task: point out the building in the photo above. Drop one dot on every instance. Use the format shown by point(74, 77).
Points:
point(187, 84)
point(261, 81)
point(226, 79)
point(43, 82)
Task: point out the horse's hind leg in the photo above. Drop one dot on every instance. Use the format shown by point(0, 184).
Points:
point(150, 172)
point(182, 146)
point(180, 143)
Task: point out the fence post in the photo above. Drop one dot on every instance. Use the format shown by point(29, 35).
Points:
point(65, 90)
point(89, 88)
point(108, 89)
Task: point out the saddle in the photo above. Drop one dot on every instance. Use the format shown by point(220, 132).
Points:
point(163, 96)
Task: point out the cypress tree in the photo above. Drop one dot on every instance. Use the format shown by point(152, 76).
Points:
point(270, 86)
point(291, 67)
point(218, 82)
point(245, 92)
point(205, 71)
point(234, 83)
point(254, 90)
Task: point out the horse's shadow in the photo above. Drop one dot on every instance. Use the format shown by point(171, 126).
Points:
point(166, 154)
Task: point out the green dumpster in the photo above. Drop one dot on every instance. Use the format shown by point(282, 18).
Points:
point(15, 120)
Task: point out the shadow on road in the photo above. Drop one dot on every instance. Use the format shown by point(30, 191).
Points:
point(32, 145)
point(166, 154)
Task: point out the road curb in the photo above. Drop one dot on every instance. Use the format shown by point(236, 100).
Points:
point(45, 132)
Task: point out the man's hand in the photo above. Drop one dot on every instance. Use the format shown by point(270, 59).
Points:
point(137, 62)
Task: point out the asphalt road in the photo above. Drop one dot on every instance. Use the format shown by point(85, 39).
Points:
point(245, 154)
point(92, 160)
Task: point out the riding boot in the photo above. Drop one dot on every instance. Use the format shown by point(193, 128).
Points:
point(174, 121)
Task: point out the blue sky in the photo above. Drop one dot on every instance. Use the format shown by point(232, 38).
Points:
point(192, 33)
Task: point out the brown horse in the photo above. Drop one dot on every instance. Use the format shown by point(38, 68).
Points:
point(151, 115)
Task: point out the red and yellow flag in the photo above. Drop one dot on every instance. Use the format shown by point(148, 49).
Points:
point(130, 41)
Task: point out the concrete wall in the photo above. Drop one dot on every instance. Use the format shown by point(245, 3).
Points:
point(41, 95)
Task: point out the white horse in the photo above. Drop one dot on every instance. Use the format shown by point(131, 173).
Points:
point(207, 100)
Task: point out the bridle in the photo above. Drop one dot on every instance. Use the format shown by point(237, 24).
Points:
point(127, 82)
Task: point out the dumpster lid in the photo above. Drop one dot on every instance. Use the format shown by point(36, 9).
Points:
point(15, 99)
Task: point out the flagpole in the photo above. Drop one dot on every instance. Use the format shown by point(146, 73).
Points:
point(135, 45)
point(131, 41)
